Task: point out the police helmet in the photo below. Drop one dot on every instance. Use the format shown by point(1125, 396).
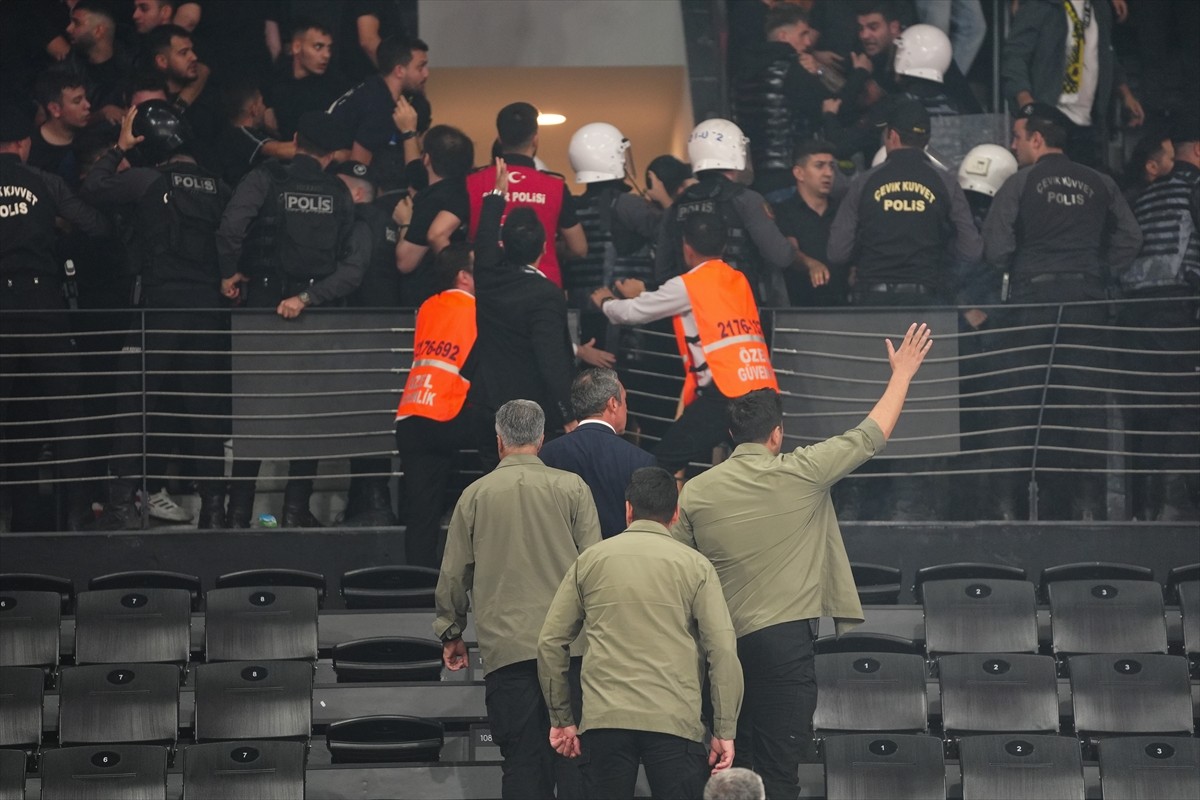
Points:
point(597, 153)
point(165, 130)
point(923, 51)
point(937, 160)
point(717, 144)
point(985, 169)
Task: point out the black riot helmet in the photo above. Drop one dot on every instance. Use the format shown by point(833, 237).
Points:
point(165, 130)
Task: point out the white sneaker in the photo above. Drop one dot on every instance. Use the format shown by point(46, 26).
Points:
point(161, 506)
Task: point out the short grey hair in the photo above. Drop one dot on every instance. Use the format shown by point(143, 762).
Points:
point(591, 391)
point(520, 423)
point(735, 783)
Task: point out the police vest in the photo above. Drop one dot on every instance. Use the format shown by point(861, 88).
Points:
point(613, 252)
point(380, 287)
point(764, 114)
point(731, 334)
point(27, 234)
point(528, 187)
point(716, 197)
point(177, 221)
point(445, 335)
point(307, 210)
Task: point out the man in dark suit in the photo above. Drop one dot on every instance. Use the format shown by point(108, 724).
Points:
point(595, 450)
point(523, 347)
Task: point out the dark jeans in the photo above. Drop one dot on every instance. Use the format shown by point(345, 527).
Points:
point(703, 425)
point(775, 725)
point(675, 767)
point(520, 726)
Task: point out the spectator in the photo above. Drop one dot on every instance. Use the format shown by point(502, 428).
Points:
point(735, 783)
point(1152, 158)
point(666, 178)
point(365, 24)
point(805, 218)
point(147, 86)
point(61, 93)
point(511, 574)
point(962, 21)
point(305, 82)
point(173, 57)
point(106, 71)
point(1170, 77)
point(244, 142)
point(150, 14)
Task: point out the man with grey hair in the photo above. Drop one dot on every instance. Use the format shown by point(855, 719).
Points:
point(513, 535)
point(735, 783)
point(595, 450)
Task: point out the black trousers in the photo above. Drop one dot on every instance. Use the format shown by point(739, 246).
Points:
point(520, 725)
point(703, 425)
point(775, 726)
point(676, 768)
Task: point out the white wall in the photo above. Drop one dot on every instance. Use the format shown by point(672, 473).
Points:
point(553, 33)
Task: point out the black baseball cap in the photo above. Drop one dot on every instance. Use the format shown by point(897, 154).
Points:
point(355, 169)
point(324, 130)
point(1045, 111)
point(15, 123)
point(907, 115)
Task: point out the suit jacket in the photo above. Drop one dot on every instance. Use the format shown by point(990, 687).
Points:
point(605, 461)
point(524, 347)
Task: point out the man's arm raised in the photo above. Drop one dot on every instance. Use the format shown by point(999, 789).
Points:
point(905, 361)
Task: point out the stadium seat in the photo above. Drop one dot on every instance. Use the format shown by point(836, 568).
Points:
point(111, 772)
point(1107, 616)
point(253, 700)
point(1185, 574)
point(980, 615)
point(390, 586)
point(1150, 768)
point(29, 628)
point(388, 659)
point(21, 690)
point(12, 775)
point(114, 626)
point(1189, 608)
point(964, 570)
point(865, 642)
point(246, 770)
point(1091, 571)
point(998, 693)
point(35, 582)
point(1130, 693)
point(151, 579)
point(267, 622)
point(877, 584)
point(275, 577)
point(1021, 767)
point(384, 738)
point(118, 703)
point(862, 692)
point(868, 766)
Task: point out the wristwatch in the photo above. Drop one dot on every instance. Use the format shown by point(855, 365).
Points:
point(305, 298)
point(406, 135)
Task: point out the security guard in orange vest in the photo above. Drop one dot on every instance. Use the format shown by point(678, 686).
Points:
point(433, 421)
point(720, 337)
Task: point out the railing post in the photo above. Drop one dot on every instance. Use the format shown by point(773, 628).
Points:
point(1037, 433)
point(145, 510)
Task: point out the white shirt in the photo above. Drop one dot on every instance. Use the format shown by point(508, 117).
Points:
point(1078, 107)
point(595, 422)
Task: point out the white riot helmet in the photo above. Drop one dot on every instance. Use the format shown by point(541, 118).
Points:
point(986, 168)
point(597, 153)
point(717, 144)
point(923, 51)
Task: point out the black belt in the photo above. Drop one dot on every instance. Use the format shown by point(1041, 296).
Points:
point(895, 288)
point(1056, 277)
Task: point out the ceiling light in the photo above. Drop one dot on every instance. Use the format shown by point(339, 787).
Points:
point(551, 119)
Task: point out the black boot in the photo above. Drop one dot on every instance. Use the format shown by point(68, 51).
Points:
point(295, 507)
point(369, 504)
point(212, 507)
point(120, 513)
point(241, 504)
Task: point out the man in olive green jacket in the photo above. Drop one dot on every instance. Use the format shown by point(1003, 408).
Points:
point(766, 521)
point(512, 537)
point(655, 616)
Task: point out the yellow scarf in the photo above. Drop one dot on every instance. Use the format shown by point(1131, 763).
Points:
point(1078, 30)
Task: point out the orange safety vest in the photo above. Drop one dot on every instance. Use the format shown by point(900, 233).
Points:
point(731, 333)
point(444, 337)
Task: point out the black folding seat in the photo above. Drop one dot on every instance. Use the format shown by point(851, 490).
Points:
point(868, 766)
point(388, 659)
point(1150, 768)
point(964, 570)
point(998, 693)
point(274, 577)
point(1189, 607)
point(1091, 571)
point(12, 775)
point(870, 692)
point(152, 579)
point(1021, 767)
point(29, 628)
point(36, 582)
point(865, 642)
point(1107, 616)
point(1185, 574)
point(877, 584)
point(115, 626)
point(21, 690)
point(384, 738)
point(253, 700)
point(389, 586)
point(1130, 693)
point(118, 703)
point(267, 622)
point(105, 772)
point(246, 770)
point(980, 615)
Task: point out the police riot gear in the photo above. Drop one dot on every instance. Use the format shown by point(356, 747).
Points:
point(717, 144)
point(985, 169)
point(597, 153)
point(923, 51)
point(165, 133)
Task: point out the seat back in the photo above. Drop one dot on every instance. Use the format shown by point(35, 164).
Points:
point(865, 642)
point(877, 584)
point(12, 775)
point(1149, 767)
point(962, 570)
point(29, 628)
point(385, 738)
point(389, 586)
point(114, 626)
point(275, 577)
point(253, 700)
point(1178, 575)
point(1103, 616)
point(151, 579)
point(112, 772)
point(1092, 571)
point(871, 765)
point(1130, 693)
point(998, 693)
point(247, 770)
point(1021, 767)
point(980, 615)
point(388, 659)
point(266, 622)
point(118, 703)
point(870, 692)
point(1189, 607)
point(36, 582)
point(21, 690)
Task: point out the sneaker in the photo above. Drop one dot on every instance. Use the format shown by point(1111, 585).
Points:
point(161, 506)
